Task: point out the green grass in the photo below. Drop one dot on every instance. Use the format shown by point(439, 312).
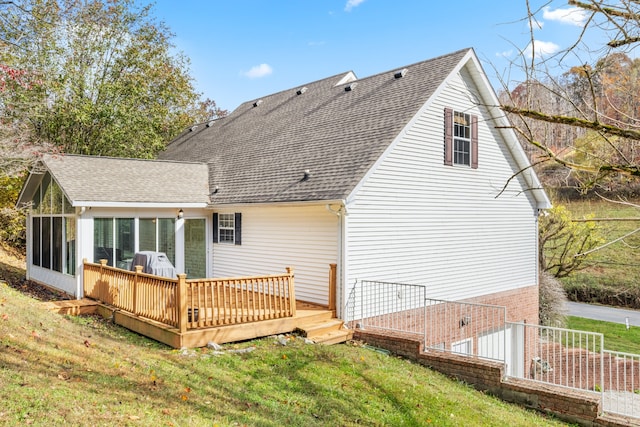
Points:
point(85, 371)
point(613, 273)
point(616, 335)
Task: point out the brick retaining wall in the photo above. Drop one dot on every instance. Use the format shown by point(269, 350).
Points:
point(575, 406)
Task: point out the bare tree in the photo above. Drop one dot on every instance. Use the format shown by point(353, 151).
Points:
point(19, 148)
point(580, 107)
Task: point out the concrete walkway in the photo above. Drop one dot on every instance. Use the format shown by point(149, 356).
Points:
point(605, 313)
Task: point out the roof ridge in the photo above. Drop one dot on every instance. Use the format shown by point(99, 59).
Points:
point(315, 82)
point(88, 156)
point(458, 52)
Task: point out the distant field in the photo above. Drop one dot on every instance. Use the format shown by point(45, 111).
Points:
point(613, 273)
point(616, 335)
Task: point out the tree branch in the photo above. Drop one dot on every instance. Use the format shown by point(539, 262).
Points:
point(606, 10)
point(623, 42)
point(608, 243)
point(573, 121)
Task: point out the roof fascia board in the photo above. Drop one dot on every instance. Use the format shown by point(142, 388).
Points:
point(278, 204)
point(94, 204)
point(508, 134)
point(29, 188)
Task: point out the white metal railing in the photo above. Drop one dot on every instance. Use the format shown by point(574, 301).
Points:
point(459, 327)
point(387, 306)
point(466, 328)
point(559, 356)
point(563, 357)
point(622, 383)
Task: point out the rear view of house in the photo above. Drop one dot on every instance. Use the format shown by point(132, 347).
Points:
point(408, 176)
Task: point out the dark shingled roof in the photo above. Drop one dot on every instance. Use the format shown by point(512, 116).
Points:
point(105, 180)
point(259, 153)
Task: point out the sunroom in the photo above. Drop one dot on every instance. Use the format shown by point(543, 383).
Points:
point(83, 208)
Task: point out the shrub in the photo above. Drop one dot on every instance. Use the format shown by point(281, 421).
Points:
point(12, 227)
point(552, 301)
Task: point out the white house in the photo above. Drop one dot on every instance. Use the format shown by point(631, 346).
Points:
point(409, 176)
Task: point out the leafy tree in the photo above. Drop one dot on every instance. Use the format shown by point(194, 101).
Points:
point(110, 82)
point(95, 77)
point(563, 243)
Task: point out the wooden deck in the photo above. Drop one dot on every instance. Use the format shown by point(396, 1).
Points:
point(191, 313)
point(312, 321)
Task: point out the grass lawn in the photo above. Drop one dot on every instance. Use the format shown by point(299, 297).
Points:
point(616, 335)
point(613, 273)
point(85, 371)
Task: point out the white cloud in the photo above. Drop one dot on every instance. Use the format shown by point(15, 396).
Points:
point(351, 4)
point(504, 54)
point(542, 48)
point(258, 71)
point(571, 15)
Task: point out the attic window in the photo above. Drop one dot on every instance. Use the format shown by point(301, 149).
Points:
point(258, 102)
point(400, 74)
point(461, 139)
point(301, 90)
point(350, 87)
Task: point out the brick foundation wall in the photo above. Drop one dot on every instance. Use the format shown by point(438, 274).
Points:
point(571, 405)
point(521, 303)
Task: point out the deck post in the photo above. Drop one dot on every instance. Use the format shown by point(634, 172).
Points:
point(84, 276)
point(101, 291)
point(333, 268)
point(292, 292)
point(135, 289)
point(182, 303)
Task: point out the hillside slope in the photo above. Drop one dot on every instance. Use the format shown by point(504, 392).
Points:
point(57, 370)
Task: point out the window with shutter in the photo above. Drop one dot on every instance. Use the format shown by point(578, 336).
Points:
point(227, 228)
point(460, 139)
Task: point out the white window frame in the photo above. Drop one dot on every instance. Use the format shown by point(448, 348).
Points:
point(227, 228)
point(461, 135)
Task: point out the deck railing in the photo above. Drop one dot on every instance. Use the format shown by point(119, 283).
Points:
point(194, 303)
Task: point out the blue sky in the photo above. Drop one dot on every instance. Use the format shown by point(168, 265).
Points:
point(241, 50)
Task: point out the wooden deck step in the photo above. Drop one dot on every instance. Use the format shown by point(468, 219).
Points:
point(334, 337)
point(318, 328)
point(73, 307)
point(324, 330)
point(306, 317)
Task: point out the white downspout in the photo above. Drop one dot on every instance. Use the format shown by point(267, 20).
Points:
point(341, 213)
point(80, 251)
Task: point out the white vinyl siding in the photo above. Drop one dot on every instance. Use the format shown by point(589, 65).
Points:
point(63, 282)
point(415, 220)
point(274, 238)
